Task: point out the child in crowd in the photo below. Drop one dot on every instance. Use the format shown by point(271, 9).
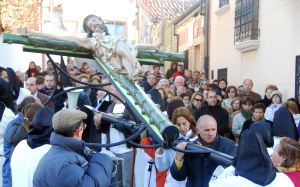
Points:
point(276, 97)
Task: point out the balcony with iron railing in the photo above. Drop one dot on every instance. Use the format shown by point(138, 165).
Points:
point(245, 35)
point(247, 40)
point(246, 30)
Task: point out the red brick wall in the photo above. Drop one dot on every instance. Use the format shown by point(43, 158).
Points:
point(183, 37)
point(191, 58)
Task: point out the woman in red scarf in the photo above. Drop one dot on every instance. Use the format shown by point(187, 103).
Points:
point(31, 71)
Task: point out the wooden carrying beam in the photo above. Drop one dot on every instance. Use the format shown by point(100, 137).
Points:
point(65, 48)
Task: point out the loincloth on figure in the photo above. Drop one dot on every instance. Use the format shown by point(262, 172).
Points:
point(119, 54)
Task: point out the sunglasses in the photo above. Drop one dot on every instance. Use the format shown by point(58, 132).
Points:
point(199, 100)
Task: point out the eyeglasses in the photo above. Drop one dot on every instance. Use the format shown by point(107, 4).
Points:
point(199, 100)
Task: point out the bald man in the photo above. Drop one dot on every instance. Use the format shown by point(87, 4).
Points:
point(196, 168)
point(33, 88)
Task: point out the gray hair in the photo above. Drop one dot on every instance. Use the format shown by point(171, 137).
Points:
point(204, 119)
point(179, 77)
point(161, 81)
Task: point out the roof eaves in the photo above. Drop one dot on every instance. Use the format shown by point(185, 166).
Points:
point(188, 12)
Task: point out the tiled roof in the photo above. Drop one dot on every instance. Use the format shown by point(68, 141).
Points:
point(172, 8)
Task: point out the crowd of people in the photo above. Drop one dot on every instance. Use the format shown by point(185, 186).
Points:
point(43, 143)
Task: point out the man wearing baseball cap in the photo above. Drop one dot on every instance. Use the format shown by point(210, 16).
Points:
point(69, 162)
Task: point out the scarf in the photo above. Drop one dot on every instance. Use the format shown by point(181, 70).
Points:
point(283, 169)
point(247, 114)
point(32, 70)
point(188, 135)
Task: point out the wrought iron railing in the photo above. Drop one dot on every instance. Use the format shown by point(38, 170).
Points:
point(247, 34)
point(246, 20)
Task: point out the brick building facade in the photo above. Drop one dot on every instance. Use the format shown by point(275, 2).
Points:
point(189, 29)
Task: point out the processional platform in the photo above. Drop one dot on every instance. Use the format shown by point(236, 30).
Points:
point(139, 102)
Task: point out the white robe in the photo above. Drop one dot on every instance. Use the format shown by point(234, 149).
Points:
point(228, 179)
point(24, 162)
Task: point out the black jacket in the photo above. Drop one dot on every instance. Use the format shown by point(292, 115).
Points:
point(199, 169)
point(219, 113)
point(156, 98)
point(146, 86)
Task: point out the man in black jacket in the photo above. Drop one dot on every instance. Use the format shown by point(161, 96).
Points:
point(198, 169)
point(213, 107)
point(149, 83)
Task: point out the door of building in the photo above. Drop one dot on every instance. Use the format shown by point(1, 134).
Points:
point(222, 73)
point(297, 78)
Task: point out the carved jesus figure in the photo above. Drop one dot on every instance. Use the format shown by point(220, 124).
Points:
point(118, 54)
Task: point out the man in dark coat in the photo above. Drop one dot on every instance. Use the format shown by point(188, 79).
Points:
point(197, 168)
point(213, 107)
point(196, 102)
point(71, 162)
point(49, 87)
point(33, 88)
point(247, 91)
point(149, 83)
